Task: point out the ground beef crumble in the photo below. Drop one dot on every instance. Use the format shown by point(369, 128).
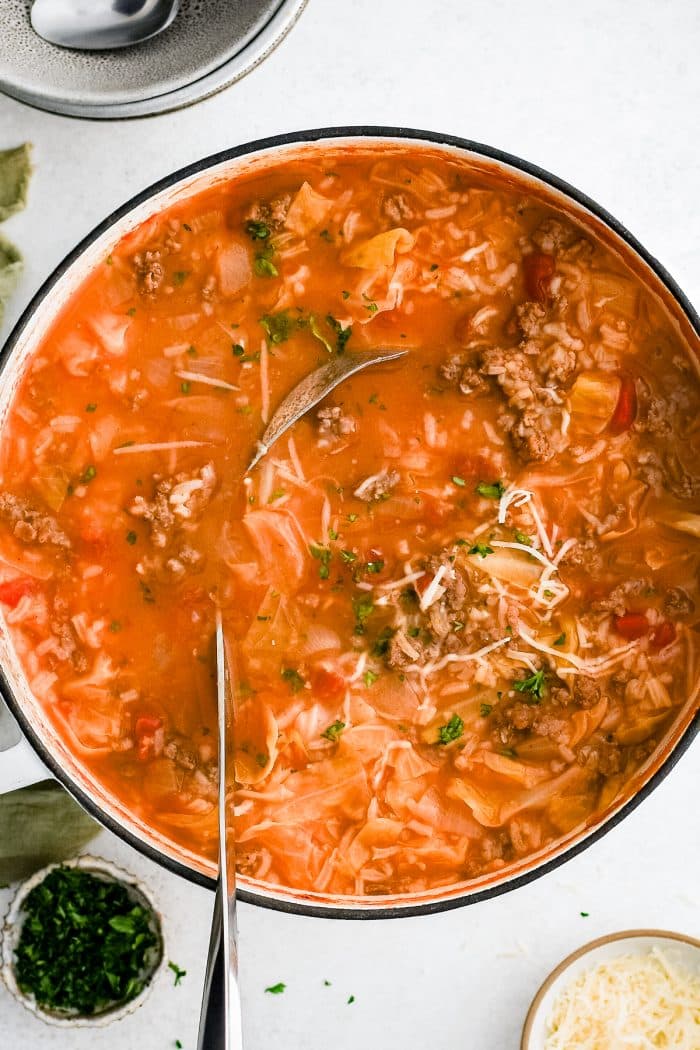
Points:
point(29, 524)
point(333, 421)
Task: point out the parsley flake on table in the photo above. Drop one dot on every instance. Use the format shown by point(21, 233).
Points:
point(276, 989)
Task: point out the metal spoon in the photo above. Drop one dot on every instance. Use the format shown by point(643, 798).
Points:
point(313, 388)
point(96, 25)
point(220, 1017)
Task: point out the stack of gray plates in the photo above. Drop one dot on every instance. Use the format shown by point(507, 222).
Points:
point(210, 44)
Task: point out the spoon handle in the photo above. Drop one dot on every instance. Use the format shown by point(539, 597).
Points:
point(220, 1019)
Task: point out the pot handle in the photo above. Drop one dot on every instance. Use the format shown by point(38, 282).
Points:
point(20, 766)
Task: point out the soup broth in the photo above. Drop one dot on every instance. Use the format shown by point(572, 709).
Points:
point(461, 595)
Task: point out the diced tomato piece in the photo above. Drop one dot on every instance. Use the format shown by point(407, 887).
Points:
point(626, 408)
point(539, 270)
point(663, 634)
point(631, 625)
point(422, 583)
point(326, 684)
point(145, 748)
point(146, 724)
point(13, 590)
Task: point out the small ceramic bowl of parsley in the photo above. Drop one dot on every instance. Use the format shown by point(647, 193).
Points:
point(82, 943)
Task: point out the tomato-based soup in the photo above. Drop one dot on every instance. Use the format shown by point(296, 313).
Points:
point(461, 594)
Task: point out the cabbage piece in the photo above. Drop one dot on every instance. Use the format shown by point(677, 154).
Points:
point(281, 547)
point(52, 485)
point(379, 250)
point(232, 268)
point(593, 399)
point(615, 293)
point(520, 772)
point(307, 211)
point(510, 566)
point(683, 521)
point(379, 833)
point(584, 723)
point(336, 785)
point(256, 738)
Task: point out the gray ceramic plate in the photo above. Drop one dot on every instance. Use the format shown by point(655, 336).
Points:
point(210, 44)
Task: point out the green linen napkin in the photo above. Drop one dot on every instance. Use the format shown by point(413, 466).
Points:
point(40, 825)
point(15, 170)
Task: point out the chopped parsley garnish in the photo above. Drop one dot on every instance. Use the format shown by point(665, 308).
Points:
point(456, 480)
point(192, 351)
point(333, 732)
point(323, 556)
point(451, 731)
point(180, 276)
point(325, 234)
point(345, 295)
point(147, 593)
point(178, 1044)
point(187, 227)
point(413, 632)
point(293, 679)
point(351, 1000)
point(348, 556)
point(458, 625)
point(434, 266)
point(520, 537)
point(374, 567)
point(277, 494)
point(278, 327)
point(115, 627)
point(485, 710)
point(276, 989)
point(257, 231)
point(238, 350)
point(508, 752)
point(332, 534)
point(92, 407)
point(341, 334)
point(179, 974)
point(584, 914)
point(327, 984)
point(370, 677)
point(370, 304)
point(88, 474)
point(352, 518)
point(131, 538)
point(131, 312)
point(185, 387)
point(560, 640)
point(263, 265)
point(363, 609)
point(482, 549)
point(490, 489)
point(381, 646)
point(85, 943)
point(534, 685)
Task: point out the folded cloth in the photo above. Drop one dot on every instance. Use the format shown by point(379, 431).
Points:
point(40, 825)
point(15, 170)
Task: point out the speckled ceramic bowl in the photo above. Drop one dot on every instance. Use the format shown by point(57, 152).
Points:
point(12, 930)
point(209, 45)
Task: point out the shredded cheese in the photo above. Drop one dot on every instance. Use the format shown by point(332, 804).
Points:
point(197, 377)
point(158, 446)
point(636, 1001)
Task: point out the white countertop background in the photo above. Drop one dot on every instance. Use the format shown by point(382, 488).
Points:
point(604, 94)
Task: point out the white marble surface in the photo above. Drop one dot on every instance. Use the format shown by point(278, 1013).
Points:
point(604, 94)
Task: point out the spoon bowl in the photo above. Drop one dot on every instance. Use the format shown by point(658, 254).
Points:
point(97, 25)
point(314, 387)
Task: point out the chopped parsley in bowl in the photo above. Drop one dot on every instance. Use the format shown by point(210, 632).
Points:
point(82, 943)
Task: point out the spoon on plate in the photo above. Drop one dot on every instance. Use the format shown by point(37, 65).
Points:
point(314, 387)
point(220, 1017)
point(97, 25)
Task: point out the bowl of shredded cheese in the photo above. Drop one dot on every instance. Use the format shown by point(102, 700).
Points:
point(639, 989)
